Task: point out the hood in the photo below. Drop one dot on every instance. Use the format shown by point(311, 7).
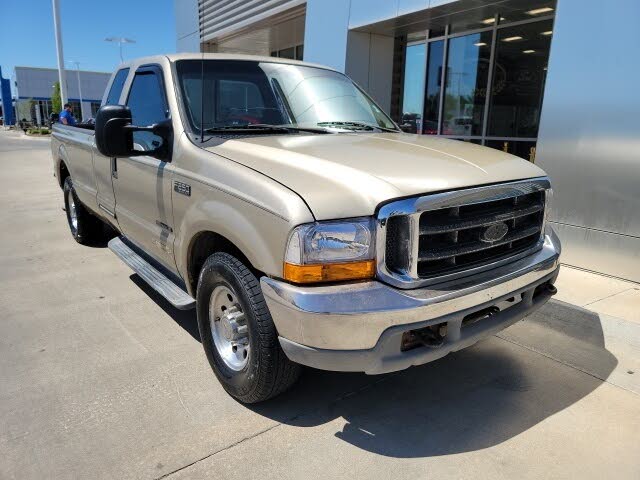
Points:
point(350, 174)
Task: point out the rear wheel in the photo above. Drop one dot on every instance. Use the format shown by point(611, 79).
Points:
point(84, 226)
point(238, 334)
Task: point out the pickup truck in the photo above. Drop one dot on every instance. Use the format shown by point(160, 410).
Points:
point(303, 225)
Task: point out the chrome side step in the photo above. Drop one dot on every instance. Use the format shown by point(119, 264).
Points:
point(154, 277)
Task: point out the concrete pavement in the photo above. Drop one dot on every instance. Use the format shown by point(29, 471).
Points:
point(101, 378)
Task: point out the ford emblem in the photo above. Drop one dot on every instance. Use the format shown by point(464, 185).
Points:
point(494, 232)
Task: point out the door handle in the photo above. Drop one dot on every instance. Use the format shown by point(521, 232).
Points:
point(114, 167)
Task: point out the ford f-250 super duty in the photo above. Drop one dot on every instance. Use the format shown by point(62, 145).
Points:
point(303, 225)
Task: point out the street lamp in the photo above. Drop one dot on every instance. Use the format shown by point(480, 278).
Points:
point(77, 64)
point(61, 74)
point(119, 41)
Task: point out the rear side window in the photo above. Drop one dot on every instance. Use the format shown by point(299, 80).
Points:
point(116, 87)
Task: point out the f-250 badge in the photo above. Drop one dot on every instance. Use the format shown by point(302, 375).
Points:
point(182, 188)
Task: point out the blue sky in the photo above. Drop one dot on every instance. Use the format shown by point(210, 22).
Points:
point(27, 38)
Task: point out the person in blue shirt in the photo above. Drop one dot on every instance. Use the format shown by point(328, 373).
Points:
point(66, 116)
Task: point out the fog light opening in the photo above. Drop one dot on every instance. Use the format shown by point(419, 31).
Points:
point(431, 336)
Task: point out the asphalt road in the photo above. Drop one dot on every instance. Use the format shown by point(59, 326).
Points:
point(101, 378)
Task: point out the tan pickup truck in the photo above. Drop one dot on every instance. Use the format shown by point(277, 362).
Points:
point(303, 225)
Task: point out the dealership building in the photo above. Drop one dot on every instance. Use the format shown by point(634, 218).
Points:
point(545, 80)
point(34, 87)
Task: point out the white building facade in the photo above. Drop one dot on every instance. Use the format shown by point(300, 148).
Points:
point(34, 87)
point(517, 75)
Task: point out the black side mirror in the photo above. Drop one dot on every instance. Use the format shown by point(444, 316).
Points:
point(408, 128)
point(112, 138)
point(114, 134)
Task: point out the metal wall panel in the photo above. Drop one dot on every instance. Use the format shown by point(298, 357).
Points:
point(589, 140)
point(220, 18)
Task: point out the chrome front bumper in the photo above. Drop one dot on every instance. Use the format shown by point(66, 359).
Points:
point(359, 326)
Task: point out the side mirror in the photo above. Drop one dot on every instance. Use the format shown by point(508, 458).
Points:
point(114, 134)
point(112, 138)
point(408, 128)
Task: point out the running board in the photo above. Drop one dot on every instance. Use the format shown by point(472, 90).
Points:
point(150, 274)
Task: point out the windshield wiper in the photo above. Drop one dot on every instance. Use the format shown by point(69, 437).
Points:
point(356, 125)
point(263, 128)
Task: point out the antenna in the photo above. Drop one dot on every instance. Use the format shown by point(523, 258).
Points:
point(202, 86)
point(202, 99)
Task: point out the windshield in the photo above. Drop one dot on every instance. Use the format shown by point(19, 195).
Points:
point(239, 93)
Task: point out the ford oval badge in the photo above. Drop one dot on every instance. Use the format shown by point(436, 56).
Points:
point(494, 232)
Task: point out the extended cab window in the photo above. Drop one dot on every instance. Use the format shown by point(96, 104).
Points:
point(148, 105)
point(116, 87)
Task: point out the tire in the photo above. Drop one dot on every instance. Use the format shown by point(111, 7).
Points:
point(85, 228)
point(265, 371)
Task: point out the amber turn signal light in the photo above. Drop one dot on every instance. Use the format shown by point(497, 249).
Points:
point(330, 272)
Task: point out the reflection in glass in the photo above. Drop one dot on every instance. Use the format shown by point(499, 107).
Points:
point(518, 80)
point(526, 150)
point(413, 87)
point(466, 84)
point(432, 93)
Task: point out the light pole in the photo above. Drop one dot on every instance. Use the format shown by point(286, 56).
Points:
point(119, 41)
point(77, 64)
point(61, 74)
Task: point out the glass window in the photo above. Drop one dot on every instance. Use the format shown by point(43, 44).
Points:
point(272, 93)
point(436, 31)
point(466, 84)
point(94, 109)
point(76, 110)
point(147, 103)
point(116, 87)
point(526, 150)
point(464, 21)
point(289, 53)
point(241, 101)
point(434, 83)
point(518, 80)
point(414, 87)
point(528, 10)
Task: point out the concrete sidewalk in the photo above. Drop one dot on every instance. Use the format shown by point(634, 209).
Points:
point(599, 293)
point(101, 378)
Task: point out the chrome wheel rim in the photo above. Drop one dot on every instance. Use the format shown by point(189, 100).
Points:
point(229, 328)
point(73, 214)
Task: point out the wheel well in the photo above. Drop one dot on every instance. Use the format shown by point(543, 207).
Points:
point(204, 245)
point(63, 173)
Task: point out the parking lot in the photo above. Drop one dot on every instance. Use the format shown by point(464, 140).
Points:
point(102, 378)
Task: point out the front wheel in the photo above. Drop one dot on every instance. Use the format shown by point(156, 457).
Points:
point(238, 334)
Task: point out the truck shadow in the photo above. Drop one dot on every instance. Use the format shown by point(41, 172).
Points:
point(467, 401)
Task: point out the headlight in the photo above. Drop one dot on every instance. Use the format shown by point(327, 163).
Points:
point(331, 251)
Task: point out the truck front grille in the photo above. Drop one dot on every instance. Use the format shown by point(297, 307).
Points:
point(442, 236)
point(453, 239)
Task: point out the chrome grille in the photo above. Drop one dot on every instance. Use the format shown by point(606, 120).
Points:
point(433, 238)
point(451, 239)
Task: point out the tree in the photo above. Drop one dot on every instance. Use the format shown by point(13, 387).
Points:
point(56, 99)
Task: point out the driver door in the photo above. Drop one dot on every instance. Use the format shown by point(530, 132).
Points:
point(142, 184)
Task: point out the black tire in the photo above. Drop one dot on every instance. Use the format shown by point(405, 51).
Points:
point(87, 227)
point(268, 372)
